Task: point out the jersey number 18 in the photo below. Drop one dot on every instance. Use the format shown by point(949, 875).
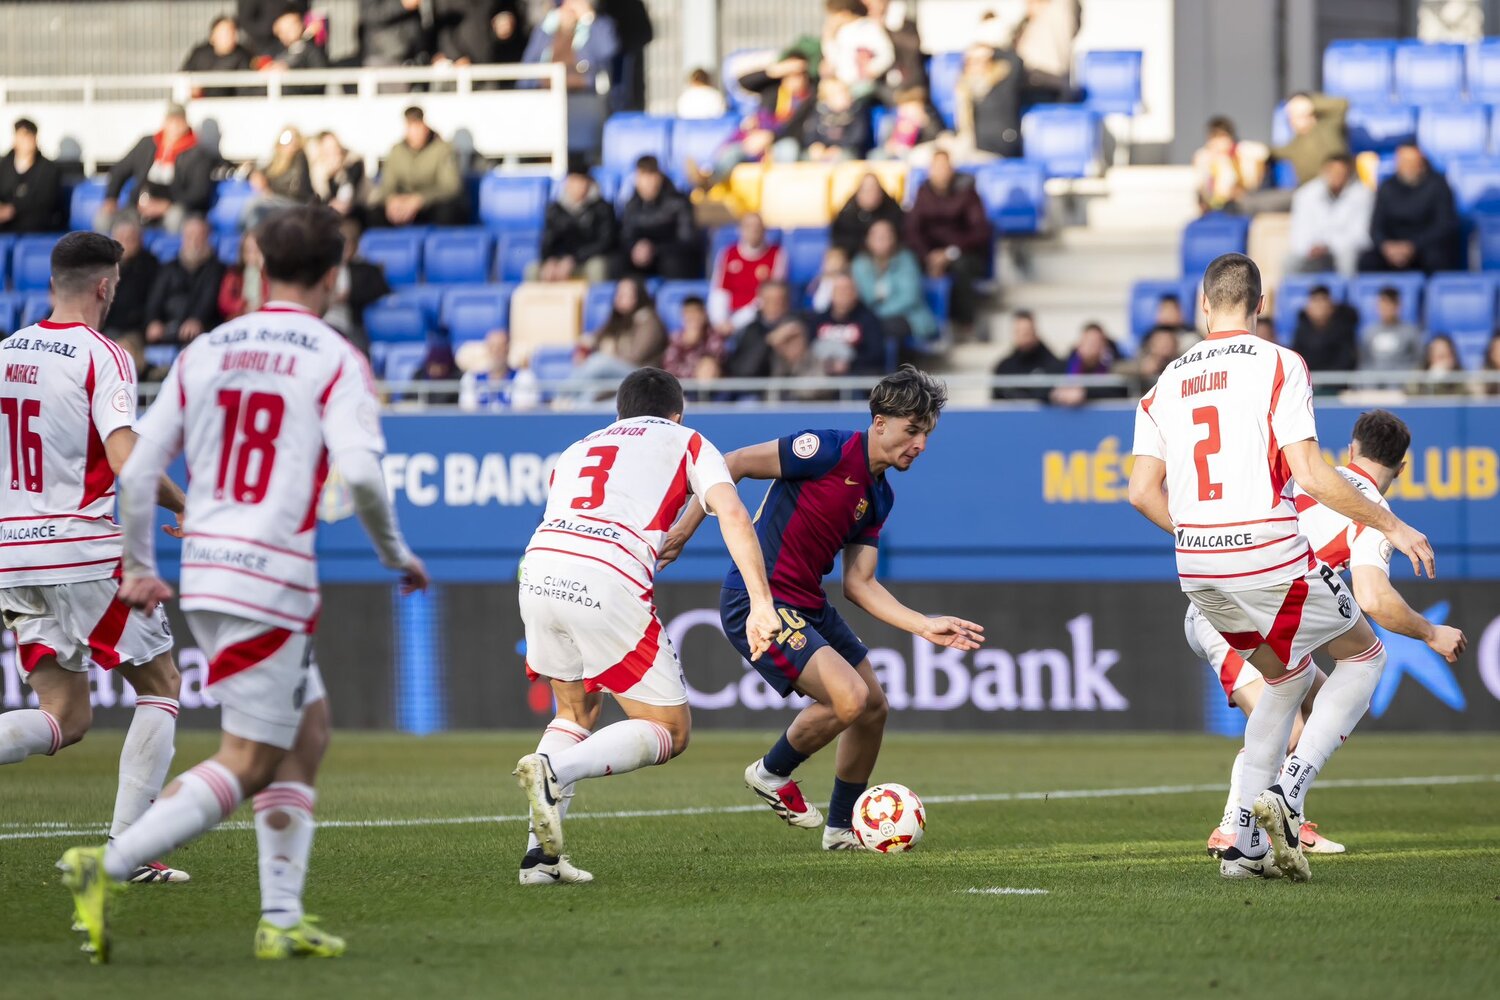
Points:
point(251, 423)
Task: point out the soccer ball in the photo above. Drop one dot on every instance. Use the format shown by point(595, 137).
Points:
point(889, 818)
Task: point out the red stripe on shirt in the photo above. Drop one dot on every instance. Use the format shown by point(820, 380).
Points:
point(1239, 524)
point(250, 541)
point(1308, 555)
point(251, 573)
point(596, 538)
point(71, 565)
point(602, 562)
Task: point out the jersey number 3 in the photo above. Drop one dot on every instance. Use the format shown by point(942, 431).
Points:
point(251, 423)
point(25, 443)
point(1207, 488)
point(597, 475)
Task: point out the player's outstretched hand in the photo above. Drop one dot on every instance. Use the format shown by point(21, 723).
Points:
point(760, 628)
point(955, 633)
point(1448, 642)
point(1417, 548)
point(174, 530)
point(413, 577)
point(671, 548)
point(143, 593)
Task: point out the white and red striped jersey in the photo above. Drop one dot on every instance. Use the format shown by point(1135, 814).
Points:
point(65, 389)
point(257, 405)
point(1339, 541)
point(1219, 417)
point(615, 494)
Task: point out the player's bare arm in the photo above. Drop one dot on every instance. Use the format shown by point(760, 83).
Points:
point(1384, 603)
point(757, 461)
point(1148, 494)
point(169, 496)
point(861, 587)
point(744, 548)
point(1323, 483)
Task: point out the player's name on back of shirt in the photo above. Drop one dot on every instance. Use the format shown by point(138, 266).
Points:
point(38, 344)
point(25, 374)
point(637, 428)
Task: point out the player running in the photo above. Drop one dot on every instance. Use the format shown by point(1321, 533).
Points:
point(258, 406)
point(67, 419)
point(1220, 437)
point(586, 588)
point(1377, 454)
point(829, 495)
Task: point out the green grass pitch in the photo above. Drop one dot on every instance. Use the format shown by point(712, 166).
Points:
point(732, 903)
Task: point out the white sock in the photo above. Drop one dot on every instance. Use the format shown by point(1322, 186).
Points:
point(769, 777)
point(284, 852)
point(144, 759)
point(1266, 734)
point(203, 797)
point(560, 735)
point(27, 732)
point(1340, 705)
point(1232, 804)
point(624, 746)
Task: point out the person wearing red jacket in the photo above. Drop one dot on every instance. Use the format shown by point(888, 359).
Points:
point(948, 230)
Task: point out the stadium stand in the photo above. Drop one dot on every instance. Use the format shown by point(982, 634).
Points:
point(458, 256)
point(1210, 236)
point(1361, 71)
point(1462, 305)
point(398, 251)
point(628, 137)
point(1448, 131)
point(1427, 73)
point(1111, 80)
point(470, 313)
point(514, 201)
point(1292, 295)
point(30, 266)
point(1066, 140)
point(1362, 292)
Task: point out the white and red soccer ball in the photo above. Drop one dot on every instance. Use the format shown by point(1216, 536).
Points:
point(889, 818)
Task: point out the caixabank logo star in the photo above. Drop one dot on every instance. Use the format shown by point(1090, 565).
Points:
point(1407, 657)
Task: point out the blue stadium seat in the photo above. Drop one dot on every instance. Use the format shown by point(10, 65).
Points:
point(84, 203)
point(1292, 296)
point(428, 298)
point(9, 308)
point(399, 362)
point(1111, 80)
point(396, 318)
point(672, 295)
point(1462, 305)
point(732, 67)
point(698, 139)
point(1359, 70)
point(804, 257)
point(628, 137)
point(1364, 290)
point(1385, 168)
point(229, 205)
point(1448, 131)
point(162, 244)
point(1146, 295)
point(458, 256)
point(1471, 346)
point(938, 292)
point(36, 307)
point(598, 302)
point(399, 251)
point(7, 243)
point(31, 262)
point(608, 182)
point(228, 245)
point(470, 313)
point(1206, 238)
point(513, 251)
point(1429, 72)
point(1484, 71)
point(1487, 228)
point(1380, 127)
point(943, 71)
point(1065, 139)
point(1475, 181)
point(513, 201)
point(161, 355)
point(1014, 193)
point(552, 364)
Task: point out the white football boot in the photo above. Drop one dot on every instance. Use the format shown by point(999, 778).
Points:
point(537, 779)
point(785, 799)
point(1275, 815)
point(540, 869)
point(835, 839)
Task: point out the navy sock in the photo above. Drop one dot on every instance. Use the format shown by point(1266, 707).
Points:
point(841, 802)
point(783, 758)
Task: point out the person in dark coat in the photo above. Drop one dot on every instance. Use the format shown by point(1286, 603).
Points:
point(478, 32)
point(910, 68)
point(870, 204)
point(391, 32)
point(1327, 334)
point(837, 126)
point(657, 231)
point(847, 338)
point(184, 300)
point(988, 110)
point(750, 351)
point(173, 175)
point(359, 284)
point(948, 230)
point(126, 320)
point(1028, 356)
point(256, 18)
point(293, 49)
point(222, 53)
point(30, 186)
point(628, 72)
point(579, 235)
point(1415, 224)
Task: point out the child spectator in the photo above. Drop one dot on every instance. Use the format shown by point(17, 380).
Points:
point(697, 350)
point(1227, 169)
point(838, 127)
point(836, 261)
point(913, 124)
point(1389, 344)
point(700, 99)
point(739, 272)
point(871, 203)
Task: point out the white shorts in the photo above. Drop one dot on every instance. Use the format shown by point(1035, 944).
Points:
point(586, 622)
point(1232, 669)
point(263, 676)
point(1294, 619)
point(82, 622)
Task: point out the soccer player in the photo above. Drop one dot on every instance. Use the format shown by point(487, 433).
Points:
point(1218, 440)
point(1377, 454)
point(586, 587)
point(67, 419)
point(259, 406)
point(829, 495)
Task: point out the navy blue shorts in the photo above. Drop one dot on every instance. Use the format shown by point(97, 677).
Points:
point(803, 633)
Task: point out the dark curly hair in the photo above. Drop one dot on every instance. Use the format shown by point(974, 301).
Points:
point(909, 392)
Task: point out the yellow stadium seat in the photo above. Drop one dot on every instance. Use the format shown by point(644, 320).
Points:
point(846, 178)
point(744, 186)
point(545, 314)
point(795, 195)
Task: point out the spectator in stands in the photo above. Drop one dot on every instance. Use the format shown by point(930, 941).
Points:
point(1327, 334)
point(627, 72)
point(30, 186)
point(847, 338)
point(1330, 220)
point(438, 365)
point(1440, 358)
point(337, 176)
point(391, 32)
point(657, 230)
point(1159, 348)
point(420, 182)
point(184, 301)
point(173, 175)
point(244, 286)
point(913, 125)
point(785, 89)
point(1028, 356)
point(1227, 169)
point(579, 234)
point(1414, 226)
point(700, 98)
point(750, 352)
point(126, 321)
point(477, 32)
point(857, 49)
point(836, 261)
point(489, 381)
point(1095, 354)
point(575, 34)
point(838, 127)
point(284, 182)
point(871, 203)
point(792, 357)
point(1390, 344)
point(909, 68)
point(1265, 329)
point(739, 272)
point(889, 280)
point(359, 284)
point(1044, 41)
point(1317, 122)
point(949, 230)
point(988, 109)
point(633, 336)
point(1169, 314)
point(1492, 365)
point(697, 350)
point(258, 17)
point(222, 53)
point(293, 48)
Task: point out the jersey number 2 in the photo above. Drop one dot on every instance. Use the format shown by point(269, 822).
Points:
point(25, 443)
point(597, 475)
point(251, 423)
point(1207, 488)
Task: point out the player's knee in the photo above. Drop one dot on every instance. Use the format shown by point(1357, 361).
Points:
point(849, 704)
point(74, 726)
point(681, 737)
point(876, 708)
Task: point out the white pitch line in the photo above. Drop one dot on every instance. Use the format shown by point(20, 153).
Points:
point(996, 890)
point(52, 829)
